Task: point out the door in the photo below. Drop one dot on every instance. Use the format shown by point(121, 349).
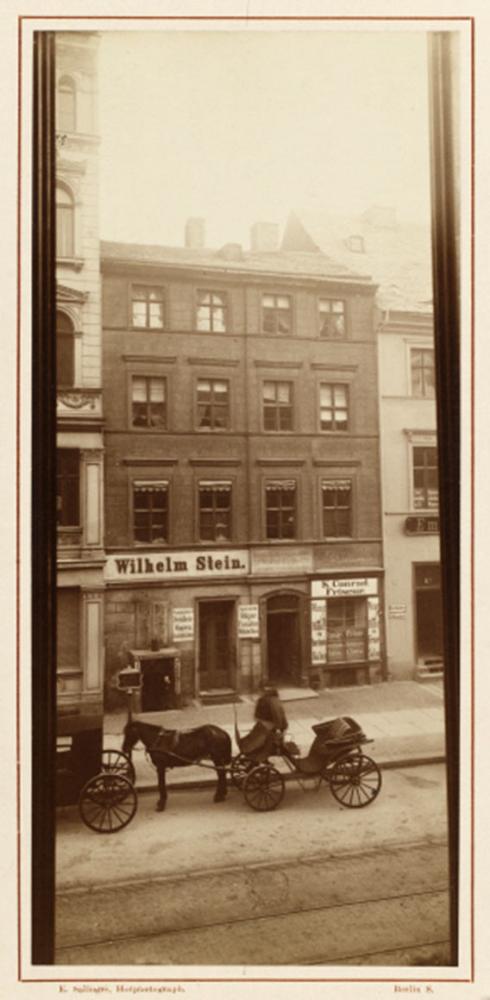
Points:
point(283, 639)
point(428, 604)
point(215, 646)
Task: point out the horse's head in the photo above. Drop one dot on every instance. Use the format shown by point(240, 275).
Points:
point(131, 736)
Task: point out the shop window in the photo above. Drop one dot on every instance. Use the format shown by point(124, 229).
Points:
point(147, 307)
point(331, 315)
point(214, 511)
point(280, 502)
point(66, 105)
point(334, 407)
point(346, 630)
point(276, 314)
point(68, 488)
point(213, 404)
point(425, 478)
point(65, 223)
point(211, 312)
point(277, 404)
point(422, 373)
point(65, 350)
point(149, 402)
point(150, 512)
point(337, 508)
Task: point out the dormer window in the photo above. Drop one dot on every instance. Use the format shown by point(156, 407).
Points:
point(355, 243)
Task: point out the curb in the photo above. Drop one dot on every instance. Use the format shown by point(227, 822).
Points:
point(385, 765)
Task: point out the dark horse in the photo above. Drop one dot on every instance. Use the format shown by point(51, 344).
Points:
point(171, 748)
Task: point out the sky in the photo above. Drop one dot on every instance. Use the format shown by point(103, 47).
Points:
point(242, 126)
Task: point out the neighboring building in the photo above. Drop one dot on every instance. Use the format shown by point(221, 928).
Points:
point(243, 519)
point(398, 257)
point(80, 554)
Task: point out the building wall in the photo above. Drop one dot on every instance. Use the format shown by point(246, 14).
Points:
point(407, 421)
point(244, 454)
point(80, 559)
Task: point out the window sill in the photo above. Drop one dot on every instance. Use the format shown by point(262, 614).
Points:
point(73, 263)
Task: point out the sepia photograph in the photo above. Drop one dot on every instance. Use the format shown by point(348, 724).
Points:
point(248, 247)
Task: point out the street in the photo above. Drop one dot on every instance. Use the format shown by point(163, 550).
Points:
point(312, 873)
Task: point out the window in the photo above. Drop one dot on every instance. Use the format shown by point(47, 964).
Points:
point(280, 502)
point(147, 307)
point(333, 407)
point(214, 511)
point(211, 312)
point(149, 402)
point(65, 350)
point(332, 318)
point(277, 406)
point(150, 512)
point(68, 628)
point(346, 629)
point(66, 105)
point(65, 223)
point(425, 478)
point(276, 314)
point(68, 488)
point(355, 243)
point(213, 404)
point(337, 508)
point(422, 369)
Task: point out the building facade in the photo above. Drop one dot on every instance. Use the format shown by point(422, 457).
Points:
point(243, 518)
point(398, 257)
point(80, 533)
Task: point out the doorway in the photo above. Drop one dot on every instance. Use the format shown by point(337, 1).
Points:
point(428, 604)
point(215, 644)
point(284, 639)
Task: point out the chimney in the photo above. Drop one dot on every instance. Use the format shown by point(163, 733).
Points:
point(264, 236)
point(195, 234)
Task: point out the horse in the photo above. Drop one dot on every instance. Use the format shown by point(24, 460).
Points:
point(171, 748)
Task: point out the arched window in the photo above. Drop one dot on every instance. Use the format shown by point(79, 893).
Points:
point(66, 105)
point(65, 350)
point(65, 223)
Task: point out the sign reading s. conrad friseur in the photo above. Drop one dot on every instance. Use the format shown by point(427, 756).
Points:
point(167, 566)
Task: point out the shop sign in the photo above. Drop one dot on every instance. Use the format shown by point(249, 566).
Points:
point(248, 621)
point(423, 524)
point(397, 610)
point(354, 587)
point(182, 624)
point(128, 567)
point(281, 562)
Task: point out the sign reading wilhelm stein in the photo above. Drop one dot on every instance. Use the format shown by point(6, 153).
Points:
point(131, 567)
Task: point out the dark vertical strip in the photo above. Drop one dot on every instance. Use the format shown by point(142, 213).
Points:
point(444, 131)
point(43, 491)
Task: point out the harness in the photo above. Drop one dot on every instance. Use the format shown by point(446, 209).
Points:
point(172, 753)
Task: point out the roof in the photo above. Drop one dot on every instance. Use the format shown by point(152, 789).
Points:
point(397, 255)
point(231, 259)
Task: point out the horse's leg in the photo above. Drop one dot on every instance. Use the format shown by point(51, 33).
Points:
point(162, 788)
point(221, 788)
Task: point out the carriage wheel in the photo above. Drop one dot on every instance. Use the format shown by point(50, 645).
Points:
point(263, 787)
point(118, 762)
point(107, 802)
point(239, 768)
point(355, 781)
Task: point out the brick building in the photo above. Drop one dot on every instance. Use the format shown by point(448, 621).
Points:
point(243, 520)
point(398, 257)
point(80, 553)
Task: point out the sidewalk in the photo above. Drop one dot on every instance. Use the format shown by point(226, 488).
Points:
point(405, 720)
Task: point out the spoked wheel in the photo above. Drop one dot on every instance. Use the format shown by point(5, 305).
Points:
point(263, 787)
point(239, 768)
point(118, 762)
point(355, 781)
point(107, 802)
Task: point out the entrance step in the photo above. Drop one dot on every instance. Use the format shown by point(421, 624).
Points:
point(219, 696)
point(430, 674)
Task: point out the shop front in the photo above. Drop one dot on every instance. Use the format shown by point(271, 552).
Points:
point(346, 635)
